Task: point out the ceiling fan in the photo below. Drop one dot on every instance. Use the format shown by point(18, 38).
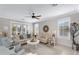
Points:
point(34, 16)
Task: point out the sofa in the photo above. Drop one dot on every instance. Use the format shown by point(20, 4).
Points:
point(6, 42)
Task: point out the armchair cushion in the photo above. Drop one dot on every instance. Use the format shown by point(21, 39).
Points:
point(43, 39)
point(17, 48)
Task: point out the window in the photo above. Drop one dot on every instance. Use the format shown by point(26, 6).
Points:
point(36, 29)
point(63, 27)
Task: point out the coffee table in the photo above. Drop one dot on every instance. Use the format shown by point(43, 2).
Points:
point(32, 45)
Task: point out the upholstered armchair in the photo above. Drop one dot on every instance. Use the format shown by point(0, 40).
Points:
point(6, 42)
point(19, 50)
point(44, 38)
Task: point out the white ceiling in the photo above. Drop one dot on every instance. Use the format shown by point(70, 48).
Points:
point(19, 11)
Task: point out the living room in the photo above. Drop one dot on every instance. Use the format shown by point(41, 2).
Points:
point(39, 29)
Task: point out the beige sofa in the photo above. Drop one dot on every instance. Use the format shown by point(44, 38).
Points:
point(44, 37)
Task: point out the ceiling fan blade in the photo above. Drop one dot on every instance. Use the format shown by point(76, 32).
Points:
point(38, 16)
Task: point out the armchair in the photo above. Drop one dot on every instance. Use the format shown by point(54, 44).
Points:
point(44, 38)
point(19, 50)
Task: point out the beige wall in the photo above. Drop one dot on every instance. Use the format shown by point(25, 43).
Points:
point(51, 24)
point(53, 28)
point(5, 25)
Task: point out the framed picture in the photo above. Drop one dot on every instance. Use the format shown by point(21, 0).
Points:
point(45, 28)
point(63, 27)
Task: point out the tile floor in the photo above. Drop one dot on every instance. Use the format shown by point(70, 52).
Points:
point(43, 49)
